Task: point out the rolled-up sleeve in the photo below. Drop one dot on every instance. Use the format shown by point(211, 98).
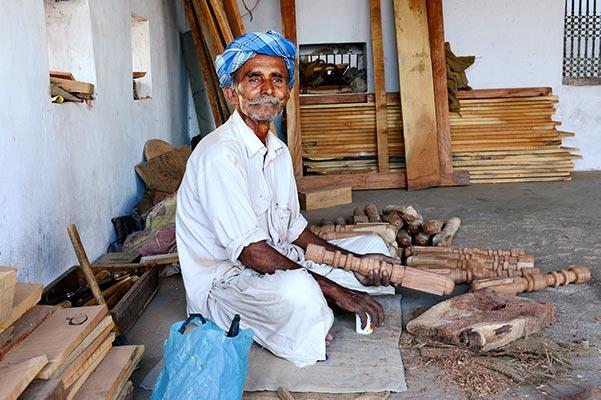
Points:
point(226, 202)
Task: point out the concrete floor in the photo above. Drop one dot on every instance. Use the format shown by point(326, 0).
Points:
point(556, 222)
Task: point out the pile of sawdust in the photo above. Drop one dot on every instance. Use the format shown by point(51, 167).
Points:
point(533, 360)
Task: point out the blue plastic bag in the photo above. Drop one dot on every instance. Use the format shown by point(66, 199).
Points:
point(204, 363)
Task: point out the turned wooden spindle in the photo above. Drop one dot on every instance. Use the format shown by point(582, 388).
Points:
point(445, 237)
point(530, 283)
point(432, 226)
point(359, 215)
point(403, 238)
point(472, 274)
point(421, 250)
point(372, 213)
point(471, 261)
point(405, 276)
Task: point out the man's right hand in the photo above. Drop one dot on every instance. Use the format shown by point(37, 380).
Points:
point(360, 303)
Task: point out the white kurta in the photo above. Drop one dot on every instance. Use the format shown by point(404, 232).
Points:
point(237, 191)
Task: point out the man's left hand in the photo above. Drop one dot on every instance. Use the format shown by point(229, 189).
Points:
point(375, 277)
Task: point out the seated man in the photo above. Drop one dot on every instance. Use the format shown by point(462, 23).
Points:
point(240, 235)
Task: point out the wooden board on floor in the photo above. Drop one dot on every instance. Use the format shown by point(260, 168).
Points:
point(16, 377)
point(97, 350)
point(8, 280)
point(24, 326)
point(51, 389)
point(323, 198)
point(26, 296)
point(82, 352)
point(417, 94)
point(57, 337)
point(87, 370)
point(127, 393)
point(112, 374)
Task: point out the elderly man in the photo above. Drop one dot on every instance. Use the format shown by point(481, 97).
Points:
point(240, 234)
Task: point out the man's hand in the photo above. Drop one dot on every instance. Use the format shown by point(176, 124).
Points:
point(375, 277)
point(360, 303)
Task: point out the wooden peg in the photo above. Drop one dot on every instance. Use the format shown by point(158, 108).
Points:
point(532, 282)
point(432, 226)
point(405, 276)
point(445, 237)
point(372, 213)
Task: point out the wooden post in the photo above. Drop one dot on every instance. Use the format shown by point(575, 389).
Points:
point(84, 263)
point(293, 125)
point(405, 276)
point(379, 85)
point(232, 13)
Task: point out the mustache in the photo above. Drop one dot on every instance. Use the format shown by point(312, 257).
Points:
point(266, 99)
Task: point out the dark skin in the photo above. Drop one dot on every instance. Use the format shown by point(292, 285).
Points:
point(267, 76)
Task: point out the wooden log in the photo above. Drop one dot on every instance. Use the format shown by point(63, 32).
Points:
point(422, 239)
point(8, 281)
point(84, 263)
point(394, 219)
point(482, 321)
point(529, 283)
point(324, 198)
point(446, 235)
point(432, 226)
point(359, 215)
point(405, 276)
point(372, 213)
point(403, 238)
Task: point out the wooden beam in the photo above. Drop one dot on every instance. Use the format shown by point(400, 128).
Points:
point(232, 13)
point(417, 94)
point(293, 125)
point(504, 92)
point(439, 77)
point(222, 21)
point(379, 84)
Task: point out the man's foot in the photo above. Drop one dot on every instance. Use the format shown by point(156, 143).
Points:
point(329, 339)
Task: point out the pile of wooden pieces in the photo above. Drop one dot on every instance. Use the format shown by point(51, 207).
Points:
point(214, 24)
point(500, 135)
point(64, 87)
point(60, 353)
point(398, 226)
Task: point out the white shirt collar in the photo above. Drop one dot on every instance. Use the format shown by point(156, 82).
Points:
point(251, 142)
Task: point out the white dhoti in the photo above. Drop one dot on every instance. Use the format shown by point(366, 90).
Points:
point(287, 310)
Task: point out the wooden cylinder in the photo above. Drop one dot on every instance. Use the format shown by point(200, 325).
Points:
point(432, 226)
point(405, 276)
point(422, 239)
point(84, 263)
point(394, 219)
point(372, 213)
point(532, 282)
point(445, 237)
point(479, 274)
point(420, 250)
point(359, 215)
point(403, 238)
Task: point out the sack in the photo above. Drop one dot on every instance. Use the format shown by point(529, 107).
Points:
point(205, 363)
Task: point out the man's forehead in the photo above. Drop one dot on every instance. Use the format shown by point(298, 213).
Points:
point(264, 64)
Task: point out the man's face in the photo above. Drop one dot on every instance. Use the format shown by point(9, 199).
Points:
point(261, 88)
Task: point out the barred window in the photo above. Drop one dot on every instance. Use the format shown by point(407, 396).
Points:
point(582, 43)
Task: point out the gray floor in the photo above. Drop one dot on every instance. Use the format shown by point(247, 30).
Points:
point(556, 222)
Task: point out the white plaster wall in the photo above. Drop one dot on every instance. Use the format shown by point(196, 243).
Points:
point(69, 163)
point(518, 43)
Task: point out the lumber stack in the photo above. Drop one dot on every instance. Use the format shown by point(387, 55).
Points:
point(64, 87)
point(66, 353)
point(500, 135)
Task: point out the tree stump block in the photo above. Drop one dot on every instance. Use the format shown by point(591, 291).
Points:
point(483, 320)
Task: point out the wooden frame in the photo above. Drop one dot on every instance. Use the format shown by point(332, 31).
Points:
point(383, 179)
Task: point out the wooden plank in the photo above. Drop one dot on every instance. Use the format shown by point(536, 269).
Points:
point(127, 393)
point(111, 374)
point(62, 74)
point(82, 351)
point(337, 99)
point(24, 326)
point(131, 306)
point(57, 337)
point(377, 50)
point(232, 13)
point(116, 258)
point(88, 368)
point(222, 21)
point(73, 86)
point(99, 348)
point(439, 76)
point(161, 259)
point(8, 280)
point(16, 377)
point(208, 28)
point(417, 94)
point(26, 296)
point(293, 124)
point(52, 389)
point(166, 171)
point(330, 197)
point(504, 92)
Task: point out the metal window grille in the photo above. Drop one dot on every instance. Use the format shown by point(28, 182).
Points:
point(582, 43)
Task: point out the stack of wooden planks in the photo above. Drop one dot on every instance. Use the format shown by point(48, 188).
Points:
point(500, 135)
point(64, 87)
point(48, 352)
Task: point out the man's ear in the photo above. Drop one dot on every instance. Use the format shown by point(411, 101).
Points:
point(230, 95)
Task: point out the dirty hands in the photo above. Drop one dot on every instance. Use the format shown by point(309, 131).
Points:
point(375, 277)
point(362, 304)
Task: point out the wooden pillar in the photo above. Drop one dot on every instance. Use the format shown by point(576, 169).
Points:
point(293, 126)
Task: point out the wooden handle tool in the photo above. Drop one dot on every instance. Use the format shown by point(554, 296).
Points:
point(84, 263)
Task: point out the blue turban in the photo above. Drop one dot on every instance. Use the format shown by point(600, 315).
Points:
point(247, 46)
